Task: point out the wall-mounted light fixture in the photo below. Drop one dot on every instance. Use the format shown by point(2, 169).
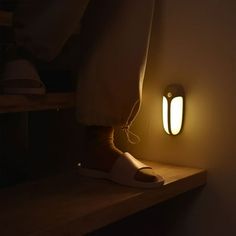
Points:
point(173, 109)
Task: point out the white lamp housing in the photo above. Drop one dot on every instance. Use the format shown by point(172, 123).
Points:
point(173, 109)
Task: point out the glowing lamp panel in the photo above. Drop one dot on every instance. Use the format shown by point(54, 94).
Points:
point(175, 117)
point(165, 115)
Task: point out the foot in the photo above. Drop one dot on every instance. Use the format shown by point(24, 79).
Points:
point(101, 153)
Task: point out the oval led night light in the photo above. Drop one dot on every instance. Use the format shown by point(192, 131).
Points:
point(173, 109)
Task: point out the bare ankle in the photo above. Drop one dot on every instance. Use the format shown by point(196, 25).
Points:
point(100, 151)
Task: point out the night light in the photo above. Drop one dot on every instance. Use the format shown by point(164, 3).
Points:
point(173, 109)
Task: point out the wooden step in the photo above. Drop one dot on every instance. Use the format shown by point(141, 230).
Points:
point(72, 205)
point(21, 103)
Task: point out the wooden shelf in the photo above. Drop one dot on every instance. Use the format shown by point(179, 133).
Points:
point(20, 103)
point(6, 18)
point(72, 205)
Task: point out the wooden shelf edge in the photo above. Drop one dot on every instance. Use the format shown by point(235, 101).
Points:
point(148, 198)
point(22, 103)
point(73, 205)
point(120, 210)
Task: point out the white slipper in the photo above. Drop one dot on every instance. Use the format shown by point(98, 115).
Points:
point(24, 70)
point(123, 172)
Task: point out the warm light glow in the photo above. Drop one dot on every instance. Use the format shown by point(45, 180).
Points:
point(176, 115)
point(165, 114)
point(173, 108)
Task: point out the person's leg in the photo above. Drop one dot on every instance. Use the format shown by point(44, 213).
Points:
point(109, 90)
point(112, 76)
point(100, 153)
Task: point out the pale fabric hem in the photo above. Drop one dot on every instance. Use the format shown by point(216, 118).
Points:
point(122, 121)
point(109, 122)
point(100, 120)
